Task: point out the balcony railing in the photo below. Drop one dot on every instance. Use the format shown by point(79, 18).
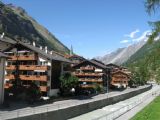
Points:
point(87, 68)
point(44, 88)
point(34, 77)
point(87, 86)
point(91, 80)
point(10, 77)
point(27, 67)
point(8, 85)
point(29, 77)
point(23, 57)
point(88, 74)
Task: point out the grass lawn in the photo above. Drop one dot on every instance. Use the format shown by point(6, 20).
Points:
point(150, 112)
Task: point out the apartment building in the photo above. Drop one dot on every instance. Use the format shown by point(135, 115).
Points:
point(30, 63)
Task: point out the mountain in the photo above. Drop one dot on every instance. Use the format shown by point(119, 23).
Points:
point(121, 55)
point(17, 24)
point(148, 52)
point(146, 62)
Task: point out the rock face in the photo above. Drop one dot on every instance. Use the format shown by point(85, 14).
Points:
point(17, 24)
point(121, 55)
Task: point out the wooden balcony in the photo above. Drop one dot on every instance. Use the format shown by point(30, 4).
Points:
point(23, 57)
point(87, 86)
point(34, 77)
point(29, 77)
point(10, 67)
point(27, 67)
point(10, 77)
point(91, 80)
point(87, 68)
point(7, 85)
point(44, 88)
point(88, 74)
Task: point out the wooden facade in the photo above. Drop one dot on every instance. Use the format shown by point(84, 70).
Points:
point(119, 76)
point(91, 74)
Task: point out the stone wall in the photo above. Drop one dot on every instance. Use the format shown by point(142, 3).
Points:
point(64, 114)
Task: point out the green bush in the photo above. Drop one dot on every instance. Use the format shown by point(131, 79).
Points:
point(98, 88)
point(68, 81)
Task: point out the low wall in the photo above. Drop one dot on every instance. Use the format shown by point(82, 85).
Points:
point(64, 114)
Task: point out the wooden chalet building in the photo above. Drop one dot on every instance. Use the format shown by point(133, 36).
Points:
point(119, 79)
point(32, 64)
point(113, 67)
point(119, 76)
point(76, 59)
point(91, 73)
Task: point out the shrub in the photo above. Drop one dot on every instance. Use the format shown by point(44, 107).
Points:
point(68, 81)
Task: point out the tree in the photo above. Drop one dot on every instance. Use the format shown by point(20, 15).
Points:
point(152, 6)
point(33, 93)
point(68, 81)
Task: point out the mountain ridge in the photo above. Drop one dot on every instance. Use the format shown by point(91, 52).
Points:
point(17, 24)
point(121, 55)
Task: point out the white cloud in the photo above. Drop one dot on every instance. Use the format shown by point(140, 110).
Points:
point(124, 41)
point(142, 37)
point(132, 34)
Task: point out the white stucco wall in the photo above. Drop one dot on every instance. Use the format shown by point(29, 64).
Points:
point(53, 92)
point(2, 75)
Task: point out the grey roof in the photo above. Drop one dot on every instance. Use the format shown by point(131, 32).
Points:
point(92, 62)
point(8, 40)
point(3, 55)
point(54, 56)
point(119, 72)
point(111, 65)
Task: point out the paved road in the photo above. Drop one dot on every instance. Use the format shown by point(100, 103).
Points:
point(113, 111)
point(15, 112)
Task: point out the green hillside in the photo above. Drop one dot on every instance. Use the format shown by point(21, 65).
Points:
point(17, 24)
point(146, 62)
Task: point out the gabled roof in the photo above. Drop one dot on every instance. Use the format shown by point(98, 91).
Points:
point(97, 61)
point(8, 40)
point(112, 65)
point(76, 56)
point(120, 72)
point(54, 56)
point(2, 55)
point(91, 62)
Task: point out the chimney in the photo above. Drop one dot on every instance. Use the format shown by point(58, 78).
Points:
point(2, 36)
point(40, 47)
point(46, 49)
point(34, 43)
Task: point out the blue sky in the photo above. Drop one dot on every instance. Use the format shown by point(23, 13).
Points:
point(93, 27)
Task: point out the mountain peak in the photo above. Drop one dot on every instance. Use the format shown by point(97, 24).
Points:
point(121, 55)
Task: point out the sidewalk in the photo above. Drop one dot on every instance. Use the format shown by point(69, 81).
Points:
point(135, 110)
